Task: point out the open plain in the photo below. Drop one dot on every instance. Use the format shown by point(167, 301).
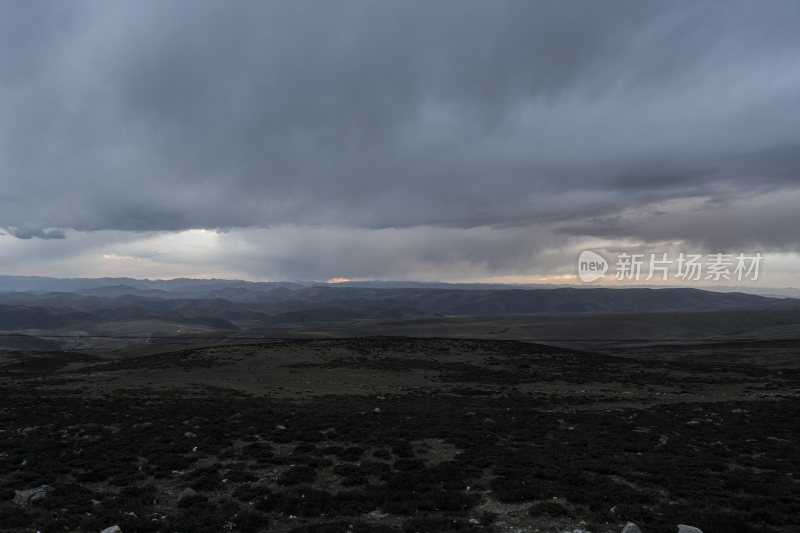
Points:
point(399, 434)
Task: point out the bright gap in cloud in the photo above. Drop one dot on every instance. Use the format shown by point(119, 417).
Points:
point(523, 255)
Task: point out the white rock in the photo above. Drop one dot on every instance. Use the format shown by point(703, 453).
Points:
point(112, 529)
point(688, 529)
point(630, 527)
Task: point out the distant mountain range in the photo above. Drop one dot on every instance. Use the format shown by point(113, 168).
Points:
point(34, 303)
point(44, 284)
point(39, 284)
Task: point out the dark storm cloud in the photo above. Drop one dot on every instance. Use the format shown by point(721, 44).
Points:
point(746, 223)
point(166, 116)
point(22, 233)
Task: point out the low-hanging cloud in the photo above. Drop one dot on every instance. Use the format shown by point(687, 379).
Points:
point(23, 233)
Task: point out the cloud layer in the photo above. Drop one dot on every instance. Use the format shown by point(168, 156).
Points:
point(569, 120)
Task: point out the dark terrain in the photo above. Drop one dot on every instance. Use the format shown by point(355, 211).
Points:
point(386, 407)
point(114, 306)
point(402, 434)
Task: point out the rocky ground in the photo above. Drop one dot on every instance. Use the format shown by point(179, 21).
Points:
point(395, 434)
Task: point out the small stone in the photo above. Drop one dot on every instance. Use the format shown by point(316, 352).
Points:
point(38, 496)
point(187, 493)
point(688, 529)
point(189, 435)
point(376, 515)
point(376, 410)
point(489, 421)
point(24, 498)
point(630, 527)
point(112, 529)
point(280, 427)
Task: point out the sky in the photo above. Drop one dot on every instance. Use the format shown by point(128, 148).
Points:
point(450, 141)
